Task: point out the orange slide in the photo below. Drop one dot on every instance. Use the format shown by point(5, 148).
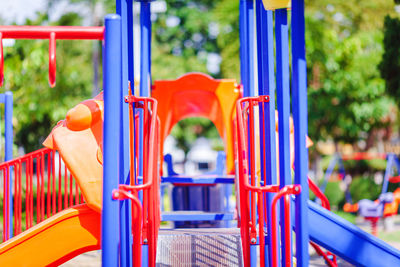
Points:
point(54, 241)
point(76, 230)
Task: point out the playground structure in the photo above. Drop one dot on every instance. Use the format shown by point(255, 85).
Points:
point(111, 149)
point(385, 206)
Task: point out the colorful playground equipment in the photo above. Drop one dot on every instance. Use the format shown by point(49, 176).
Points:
point(385, 206)
point(107, 195)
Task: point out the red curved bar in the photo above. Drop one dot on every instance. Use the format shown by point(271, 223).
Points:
point(52, 60)
point(43, 32)
point(319, 194)
point(285, 191)
point(47, 32)
point(148, 223)
point(137, 212)
point(324, 203)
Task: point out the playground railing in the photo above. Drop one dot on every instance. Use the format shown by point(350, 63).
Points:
point(145, 213)
point(41, 186)
point(52, 33)
point(254, 190)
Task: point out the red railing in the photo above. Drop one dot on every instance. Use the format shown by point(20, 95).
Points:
point(329, 258)
point(47, 32)
point(253, 189)
point(145, 215)
point(42, 186)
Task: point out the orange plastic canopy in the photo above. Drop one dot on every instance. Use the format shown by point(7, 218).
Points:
point(198, 95)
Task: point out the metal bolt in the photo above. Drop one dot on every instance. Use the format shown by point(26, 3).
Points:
point(296, 189)
point(253, 240)
point(145, 241)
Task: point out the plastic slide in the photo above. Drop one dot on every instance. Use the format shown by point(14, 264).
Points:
point(348, 241)
point(55, 240)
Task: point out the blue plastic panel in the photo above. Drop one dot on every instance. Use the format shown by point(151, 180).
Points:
point(348, 241)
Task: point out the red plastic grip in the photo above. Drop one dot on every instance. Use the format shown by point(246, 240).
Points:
point(52, 59)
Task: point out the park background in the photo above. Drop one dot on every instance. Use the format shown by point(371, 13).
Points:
point(353, 64)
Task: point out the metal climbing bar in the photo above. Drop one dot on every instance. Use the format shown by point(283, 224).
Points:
point(42, 186)
point(52, 33)
point(253, 189)
point(145, 214)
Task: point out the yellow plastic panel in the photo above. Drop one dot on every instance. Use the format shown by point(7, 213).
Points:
point(276, 4)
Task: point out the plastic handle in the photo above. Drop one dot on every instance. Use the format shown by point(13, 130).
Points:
point(52, 59)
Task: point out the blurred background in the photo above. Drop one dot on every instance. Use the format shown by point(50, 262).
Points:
point(353, 57)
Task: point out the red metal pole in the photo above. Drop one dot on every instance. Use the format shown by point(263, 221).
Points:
point(43, 32)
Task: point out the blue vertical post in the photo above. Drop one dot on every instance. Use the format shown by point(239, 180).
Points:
point(112, 81)
point(299, 102)
point(145, 48)
point(389, 166)
point(246, 27)
point(145, 81)
point(8, 155)
point(266, 86)
point(283, 102)
point(124, 9)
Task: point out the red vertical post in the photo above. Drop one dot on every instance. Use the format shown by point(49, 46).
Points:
point(48, 193)
point(65, 188)
point(71, 192)
point(53, 178)
point(59, 184)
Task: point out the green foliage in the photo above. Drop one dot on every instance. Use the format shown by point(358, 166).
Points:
point(347, 216)
point(346, 94)
point(182, 38)
point(37, 107)
point(334, 194)
point(364, 188)
point(355, 167)
point(188, 130)
point(390, 65)
point(227, 14)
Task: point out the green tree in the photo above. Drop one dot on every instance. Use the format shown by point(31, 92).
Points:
point(390, 65)
point(346, 95)
point(183, 38)
point(37, 107)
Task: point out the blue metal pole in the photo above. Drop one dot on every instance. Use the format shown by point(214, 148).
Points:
point(112, 81)
point(329, 171)
point(246, 17)
point(145, 50)
point(299, 102)
point(266, 86)
point(243, 45)
point(283, 102)
point(8, 155)
point(389, 165)
point(124, 9)
point(145, 255)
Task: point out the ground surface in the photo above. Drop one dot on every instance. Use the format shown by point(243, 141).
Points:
point(93, 258)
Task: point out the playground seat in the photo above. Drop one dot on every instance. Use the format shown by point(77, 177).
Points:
point(369, 208)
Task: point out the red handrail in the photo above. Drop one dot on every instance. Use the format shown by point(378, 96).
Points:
point(47, 32)
point(30, 174)
point(285, 191)
point(137, 212)
point(148, 214)
point(324, 203)
point(249, 184)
